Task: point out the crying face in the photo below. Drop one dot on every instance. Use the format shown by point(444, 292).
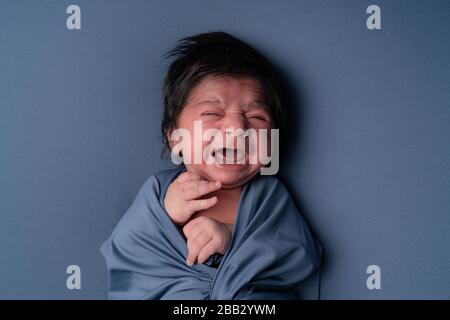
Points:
point(226, 104)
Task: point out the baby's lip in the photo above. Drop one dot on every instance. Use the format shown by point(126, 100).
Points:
point(224, 153)
point(228, 150)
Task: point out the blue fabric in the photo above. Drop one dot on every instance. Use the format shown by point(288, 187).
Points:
point(270, 253)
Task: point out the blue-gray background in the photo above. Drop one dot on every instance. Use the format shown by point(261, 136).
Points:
point(81, 109)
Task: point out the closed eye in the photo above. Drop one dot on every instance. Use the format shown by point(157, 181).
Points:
point(209, 113)
point(257, 116)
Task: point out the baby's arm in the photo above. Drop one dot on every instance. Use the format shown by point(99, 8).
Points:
point(182, 196)
point(205, 236)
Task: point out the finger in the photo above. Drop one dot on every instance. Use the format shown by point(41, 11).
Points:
point(187, 187)
point(188, 176)
point(201, 204)
point(209, 249)
point(195, 189)
point(195, 245)
point(190, 226)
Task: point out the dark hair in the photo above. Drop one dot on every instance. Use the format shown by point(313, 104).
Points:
point(215, 54)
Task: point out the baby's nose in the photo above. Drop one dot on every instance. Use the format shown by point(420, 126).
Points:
point(233, 123)
point(234, 131)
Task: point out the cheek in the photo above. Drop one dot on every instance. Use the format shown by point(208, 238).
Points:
point(208, 130)
point(186, 118)
point(210, 125)
point(199, 139)
point(261, 147)
point(264, 138)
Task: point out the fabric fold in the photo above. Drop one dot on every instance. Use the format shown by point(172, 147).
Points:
point(270, 253)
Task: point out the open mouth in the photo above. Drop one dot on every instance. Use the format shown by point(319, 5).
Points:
point(229, 156)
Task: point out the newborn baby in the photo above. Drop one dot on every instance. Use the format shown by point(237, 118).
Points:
point(237, 231)
point(208, 194)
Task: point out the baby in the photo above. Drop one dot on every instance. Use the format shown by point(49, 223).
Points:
point(223, 102)
point(235, 90)
point(221, 202)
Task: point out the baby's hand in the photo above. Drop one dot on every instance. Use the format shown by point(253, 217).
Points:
point(206, 236)
point(181, 200)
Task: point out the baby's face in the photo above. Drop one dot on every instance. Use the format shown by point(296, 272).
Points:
point(226, 103)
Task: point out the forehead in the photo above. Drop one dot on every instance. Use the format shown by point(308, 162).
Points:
point(227, 89)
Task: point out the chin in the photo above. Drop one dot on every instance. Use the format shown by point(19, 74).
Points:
point(231, 176)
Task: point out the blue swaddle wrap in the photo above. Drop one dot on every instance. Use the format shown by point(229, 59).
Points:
point(270, 253)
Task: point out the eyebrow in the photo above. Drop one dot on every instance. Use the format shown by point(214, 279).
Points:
point(216, 101)
point(206, 101)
